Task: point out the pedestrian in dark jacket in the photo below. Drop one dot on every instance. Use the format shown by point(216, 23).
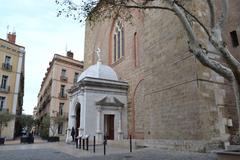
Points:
point(73, 133)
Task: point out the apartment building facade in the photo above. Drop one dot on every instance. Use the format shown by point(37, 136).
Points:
point(53, 100)
point(12, 58)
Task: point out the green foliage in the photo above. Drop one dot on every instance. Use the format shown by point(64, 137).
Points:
point(45, 123)
point(44, 133)
point(55, 121)
point(44, 127)
point(26, 121)
point(96, 10)
point(5, 117)
point(50, 123)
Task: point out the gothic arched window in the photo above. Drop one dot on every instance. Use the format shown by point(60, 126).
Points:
point(118, 42)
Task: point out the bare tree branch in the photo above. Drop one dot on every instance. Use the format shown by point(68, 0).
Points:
point(179, 12)
point(217, 67)
point(212, 12)
point(196, 19)
point(224, 13)
point(197, 50)
point(147, 7)
point(236, 89)
point(232, 61)
point(212, 64)
point(138, 5)
point(216, 41)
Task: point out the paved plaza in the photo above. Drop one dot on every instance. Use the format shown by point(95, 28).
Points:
point(42, 150)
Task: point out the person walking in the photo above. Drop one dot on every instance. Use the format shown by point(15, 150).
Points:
point(73, 134)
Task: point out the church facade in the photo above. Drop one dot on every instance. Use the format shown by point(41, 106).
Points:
point(172, 100)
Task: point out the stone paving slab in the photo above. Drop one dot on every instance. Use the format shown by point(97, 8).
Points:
point(155, 154)
point(146, 154)
point(35, 154)
point(66, 148)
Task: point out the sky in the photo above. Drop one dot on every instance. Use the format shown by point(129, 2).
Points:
point(42, 34)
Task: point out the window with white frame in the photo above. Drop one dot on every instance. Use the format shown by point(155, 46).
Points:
point(118, 42)
point(63, 73)
point(4, 82)
point(61, 105)
point(2, 102)
point(60, 128)
point(62, 90)
point(8, 60)
point(76, 76)
point(7, 63)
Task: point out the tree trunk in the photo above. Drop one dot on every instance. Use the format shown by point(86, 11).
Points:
point(230, 72)
point(236, 88)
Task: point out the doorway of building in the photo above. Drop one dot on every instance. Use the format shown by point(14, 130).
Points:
point(78, 113)
point(109, 126)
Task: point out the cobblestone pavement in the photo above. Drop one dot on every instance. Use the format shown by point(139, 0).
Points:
point(62, 151)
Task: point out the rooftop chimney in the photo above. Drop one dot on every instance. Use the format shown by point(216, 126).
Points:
point(11, 37)
point(70, 54)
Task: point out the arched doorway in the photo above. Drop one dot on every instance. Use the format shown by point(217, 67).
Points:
point(78, 113)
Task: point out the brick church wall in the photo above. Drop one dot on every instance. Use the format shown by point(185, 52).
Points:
point(171, 95)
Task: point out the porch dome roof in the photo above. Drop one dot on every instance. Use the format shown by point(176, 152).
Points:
point(99, 70)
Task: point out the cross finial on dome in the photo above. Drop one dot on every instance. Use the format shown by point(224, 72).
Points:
point(98, 54)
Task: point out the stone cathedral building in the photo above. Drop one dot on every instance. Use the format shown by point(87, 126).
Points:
point(172, 100)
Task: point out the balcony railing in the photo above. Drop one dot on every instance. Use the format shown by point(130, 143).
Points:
point(57, 114)
point(5, 89)
point(63, 95)
point(7, 66)
point(63, 78)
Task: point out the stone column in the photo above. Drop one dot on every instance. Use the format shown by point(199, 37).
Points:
point(120, 132)
point(68, 138)
point(71, 120)
point(99, 130)
point(71, 123)
point(79, 131)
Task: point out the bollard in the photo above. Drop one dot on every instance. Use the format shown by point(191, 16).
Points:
point(76, 140)
point(80, 142)
point(87, 144)
point(94, 143)
point(83, 145)
point(104, 145)
point(130, 139)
